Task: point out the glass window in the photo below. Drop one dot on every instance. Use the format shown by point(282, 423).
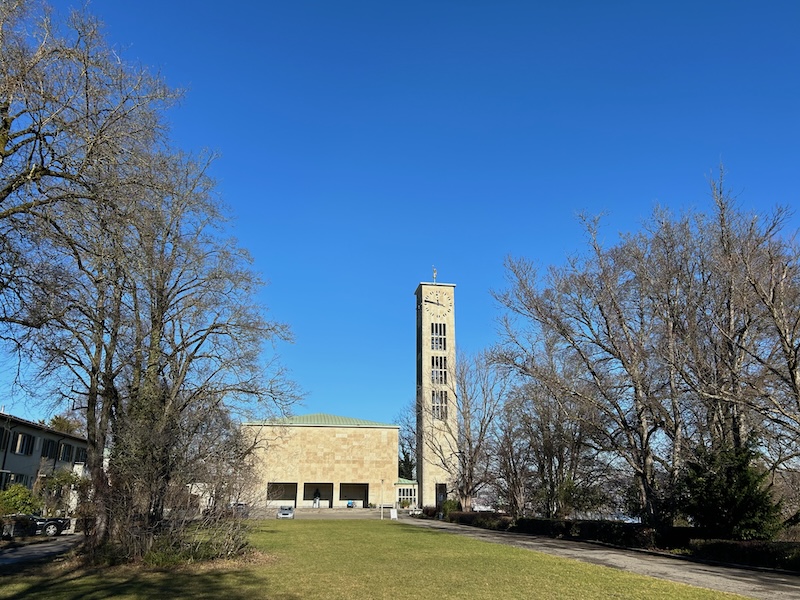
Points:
point(66, 453)
point(439, 404)
point(407, 496)
point(49, 449)
point(438, 336)
point(439, 369)
point(22, 444)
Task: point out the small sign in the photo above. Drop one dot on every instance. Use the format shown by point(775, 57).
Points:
point(393, 514)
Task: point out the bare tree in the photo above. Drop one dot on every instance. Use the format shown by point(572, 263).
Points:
point(600, 317)
point(466, 453)
point(117, 279)
point(70, 112)
point(675, 351)
point(407, 447)
point(513, 463)
point(723, 328)
point(771, 267)
point(162, 328)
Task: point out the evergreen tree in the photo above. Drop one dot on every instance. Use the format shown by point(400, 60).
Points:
point(726, 494)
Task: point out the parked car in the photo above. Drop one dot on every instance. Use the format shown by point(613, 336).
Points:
point(286, 512)
point(24, 525)
point(240, 509)
point(50, 526)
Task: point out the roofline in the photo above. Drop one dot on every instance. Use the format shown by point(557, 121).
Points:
point(40, 426)
point(437, 283)
point(351, 425)
point(322, 420)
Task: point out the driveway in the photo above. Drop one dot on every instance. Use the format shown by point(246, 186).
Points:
point(760, 584)
point(38, 551)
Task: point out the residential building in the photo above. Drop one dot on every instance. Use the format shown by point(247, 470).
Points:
point(31, 450)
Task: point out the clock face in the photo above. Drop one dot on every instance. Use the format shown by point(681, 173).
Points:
point(438, 303)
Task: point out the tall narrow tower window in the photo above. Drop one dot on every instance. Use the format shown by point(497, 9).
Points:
point(438, 336)
point(439, 404)
point(439, 370)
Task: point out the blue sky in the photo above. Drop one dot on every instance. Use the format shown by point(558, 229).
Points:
point(361, 143)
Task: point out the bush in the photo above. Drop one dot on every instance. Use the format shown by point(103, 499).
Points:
point(484, 520)
point(17, 526)
point(18, 499)
point(429, 512)
point(449, 506)
point(631, 535)
point(55, 488)
point(772, 555)
point(686, 541)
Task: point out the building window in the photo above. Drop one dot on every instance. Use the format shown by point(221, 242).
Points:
point(22, 444)
point(19, 479)
point(439, 404)
point(438, 336)
point(407, 496)
point(439, 369)
point(80, 455)
point(66, 453)
point(5, 434)
point(49, 449)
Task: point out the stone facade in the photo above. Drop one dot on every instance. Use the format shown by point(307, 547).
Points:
point(437, 423)
point(325, 461)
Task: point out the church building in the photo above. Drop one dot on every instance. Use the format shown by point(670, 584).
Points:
point(327, 461)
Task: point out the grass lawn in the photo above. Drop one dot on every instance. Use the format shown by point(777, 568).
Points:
point(331, 560)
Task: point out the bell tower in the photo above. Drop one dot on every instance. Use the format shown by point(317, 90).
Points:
point(437, 422)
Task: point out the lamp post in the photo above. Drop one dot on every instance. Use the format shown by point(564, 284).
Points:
point(381, 499)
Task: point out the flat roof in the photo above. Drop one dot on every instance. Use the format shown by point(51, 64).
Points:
point(323, 420)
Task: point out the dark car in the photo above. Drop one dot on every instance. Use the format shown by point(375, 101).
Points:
point(25, 525)
point(50, 526)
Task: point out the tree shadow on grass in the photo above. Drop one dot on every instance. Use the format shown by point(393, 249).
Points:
point(234, 584)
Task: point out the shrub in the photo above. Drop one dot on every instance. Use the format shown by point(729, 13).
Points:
point(760, 553)
point(54, 490)
point(632, 535)
point(484, 520)
point(18, 499)
point(429, 512)
point(17, 525)
point(726, 494)
point(449, 506)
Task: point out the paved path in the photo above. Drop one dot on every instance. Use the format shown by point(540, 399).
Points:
point(10, 557)
point(759, 584)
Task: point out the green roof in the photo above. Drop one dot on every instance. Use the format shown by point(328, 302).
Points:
point(325, 420)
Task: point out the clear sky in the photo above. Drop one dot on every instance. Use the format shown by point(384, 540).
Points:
point(363, 142)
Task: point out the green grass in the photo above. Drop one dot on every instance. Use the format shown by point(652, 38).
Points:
point(331, 560)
